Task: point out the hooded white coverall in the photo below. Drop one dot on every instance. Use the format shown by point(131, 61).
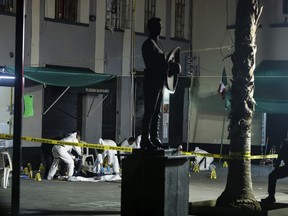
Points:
point(125, 143)
point(138, 140)
point(111, 154)
point(64, 152)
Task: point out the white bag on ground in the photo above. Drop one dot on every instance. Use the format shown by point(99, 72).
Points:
point(204, 162)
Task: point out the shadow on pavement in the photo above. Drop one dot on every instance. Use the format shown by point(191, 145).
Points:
point(45, 212)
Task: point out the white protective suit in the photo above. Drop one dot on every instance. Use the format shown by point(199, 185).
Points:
point(64, 152)
point(138, 140)
point(204, 162)
point(111, 154)
point(125, 143)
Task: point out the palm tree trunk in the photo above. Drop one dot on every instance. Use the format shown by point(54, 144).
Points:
point(238, 192)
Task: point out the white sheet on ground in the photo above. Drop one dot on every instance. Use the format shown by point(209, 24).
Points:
point(96, 179)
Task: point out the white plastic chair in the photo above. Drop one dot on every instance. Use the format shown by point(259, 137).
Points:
point(85, 159)
point(5, 157)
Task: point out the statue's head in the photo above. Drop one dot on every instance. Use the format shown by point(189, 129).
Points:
point(154, 26)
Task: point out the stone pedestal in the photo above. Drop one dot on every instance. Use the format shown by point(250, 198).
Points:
point(155, 183)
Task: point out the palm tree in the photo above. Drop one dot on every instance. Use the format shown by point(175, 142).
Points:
point(238, 192)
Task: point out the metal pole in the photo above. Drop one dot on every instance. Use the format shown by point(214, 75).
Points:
point(188, 122)
point(91, 112)
point(132, 65)
point(222, 135)
point(18, 96)
point(189, 112)
point(56, 100)
point(11, 110)
point(190, 95)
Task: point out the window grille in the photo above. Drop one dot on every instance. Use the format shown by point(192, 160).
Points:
point(8, 5)
point(179, 18)
point(118, 14)
point(66, 10)
point(150, 8)
point(113, 13)
point(125, 13)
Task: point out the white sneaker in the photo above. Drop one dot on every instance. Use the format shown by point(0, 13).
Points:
point(72, 178)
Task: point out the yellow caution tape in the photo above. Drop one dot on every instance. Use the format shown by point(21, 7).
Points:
point(59, 142)
point(264, 156)
point(201, 154)
point(232, 155)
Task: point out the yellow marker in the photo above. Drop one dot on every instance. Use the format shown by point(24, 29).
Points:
point(213, 174)
point(41, 169)
point(38, 177)
point(225, 164)
point(26, 171)
point(31, 174)
point(29, 166)
point(196, 168)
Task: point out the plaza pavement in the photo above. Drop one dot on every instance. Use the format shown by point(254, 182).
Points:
point(103, 198)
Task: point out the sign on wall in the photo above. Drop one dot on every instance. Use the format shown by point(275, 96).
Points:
point(28, 106)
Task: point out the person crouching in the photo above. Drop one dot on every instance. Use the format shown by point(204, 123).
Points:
point(64, 152)
point(111, 156)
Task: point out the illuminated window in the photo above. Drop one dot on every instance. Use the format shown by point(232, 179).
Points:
point(150, 6)
point(179, 18)
point(8, 5)
point(66, 10)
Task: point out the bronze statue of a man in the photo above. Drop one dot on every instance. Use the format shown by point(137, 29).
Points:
point(154, 80)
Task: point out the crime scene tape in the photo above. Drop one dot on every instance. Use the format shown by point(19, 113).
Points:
point(59, 142)
point(232, 155)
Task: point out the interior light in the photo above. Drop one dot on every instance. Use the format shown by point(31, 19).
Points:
point(6, 77)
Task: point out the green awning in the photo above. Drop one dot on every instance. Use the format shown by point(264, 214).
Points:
point(271, 90)
point(271, 86)
point(63, 76)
